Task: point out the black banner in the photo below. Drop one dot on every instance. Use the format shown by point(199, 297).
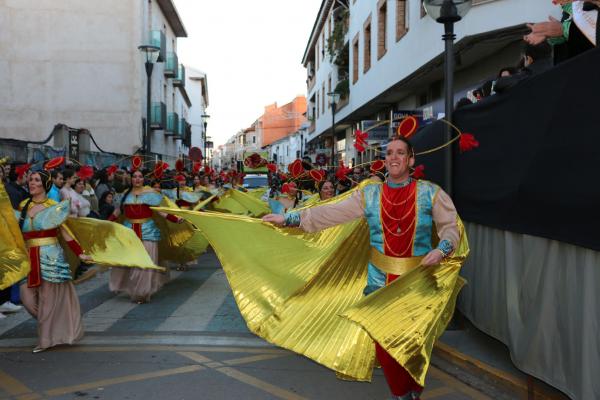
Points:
point(537, 168)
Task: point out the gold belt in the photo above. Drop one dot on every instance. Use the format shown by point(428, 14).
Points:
point(38, 242)
point(138, 221)
point(393, 265)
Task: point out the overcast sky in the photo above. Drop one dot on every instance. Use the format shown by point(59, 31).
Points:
point(252, 53)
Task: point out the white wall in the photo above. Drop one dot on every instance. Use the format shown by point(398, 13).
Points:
point(194, 90)
point(75, 62)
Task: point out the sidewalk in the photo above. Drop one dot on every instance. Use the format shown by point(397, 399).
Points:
point(487, 362)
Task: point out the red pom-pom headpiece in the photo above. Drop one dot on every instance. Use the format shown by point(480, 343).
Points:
point(296, 168)
point(85, 172)
point(111, 170)
point(22, 169)
point(317, 175)
point(377, 166)
point(179, 165)
point(272, 168)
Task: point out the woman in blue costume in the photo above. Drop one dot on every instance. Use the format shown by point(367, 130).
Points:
point(49, 294)
point(288, 199)
point(140, 284)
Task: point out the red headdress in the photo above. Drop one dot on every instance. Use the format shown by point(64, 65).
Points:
point(272, 167)
point(54, 163)
point(296, 168)
point(22, 169)
point(180, 178)
point(377, 166)
point(317, 175)
point(85, 172)
point(111, 170)
point(179, 165)
point(467, 142)
point(136, 163)
point(196, 167)
point(342, 172)
point(159, 168)
point(407, 127)
point(285, 188)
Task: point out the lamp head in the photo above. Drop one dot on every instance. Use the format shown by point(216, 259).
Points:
point(444, 11)
point(151, 52)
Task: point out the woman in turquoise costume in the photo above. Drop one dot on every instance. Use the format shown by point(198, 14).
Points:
point(49, 294)
point(182, 195)
point(288, 199)
point(140, 284)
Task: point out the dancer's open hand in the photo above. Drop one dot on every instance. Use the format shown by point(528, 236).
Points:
point(276, 219)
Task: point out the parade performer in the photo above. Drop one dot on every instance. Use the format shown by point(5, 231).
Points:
point(401, 214)
point(308, 294)
point(49, 294)
point(183, 196)
point(287, 200)
point(140, 284)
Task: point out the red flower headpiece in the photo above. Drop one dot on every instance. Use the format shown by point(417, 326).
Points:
point(467, 142)
point(360, 140)
point(272, 167)
point(407, 127)
point(159, 168)
point(85, 172)
point(54, 163)
point(180, 178)
point(419, 172)
point(342, 172)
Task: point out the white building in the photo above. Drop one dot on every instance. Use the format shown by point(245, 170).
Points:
point(390, 57)
point(77, 62)
point(197, 88)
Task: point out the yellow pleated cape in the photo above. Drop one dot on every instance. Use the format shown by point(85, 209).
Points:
point(304, 292)
point(14, 259)
point(235, 202)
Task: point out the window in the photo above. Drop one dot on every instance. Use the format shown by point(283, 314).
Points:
point(317, 103)
point(355, 59)
point(317, 55)
point(323, 99)
point(401, 27)
point(329, 84)
point(381, 28)
point(253, 139)
point(367, 45)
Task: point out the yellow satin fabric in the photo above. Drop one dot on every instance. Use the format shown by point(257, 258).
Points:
point(14, 259)
point(180, 243)
point(235, 202)
point(109, 243)
point(303, 292)
point(258, 192)
point(41, 242)
point(202, 204)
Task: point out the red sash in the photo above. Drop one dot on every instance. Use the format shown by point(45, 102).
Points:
point(34, 279)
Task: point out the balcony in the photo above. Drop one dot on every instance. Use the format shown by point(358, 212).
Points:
point(172, 65)
point(179, 80)
point(172, 125)
point(158, 115)
point(159, 39)
point(181, 130)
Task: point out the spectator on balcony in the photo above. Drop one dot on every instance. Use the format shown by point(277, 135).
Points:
point(536, 59)
point(574, 34)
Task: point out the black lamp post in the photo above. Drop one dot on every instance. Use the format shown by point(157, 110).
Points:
point(152, 53)
point(205, 118)
point(334, 98)
point(448, 12)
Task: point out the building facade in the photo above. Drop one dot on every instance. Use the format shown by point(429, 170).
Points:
point(387, 55)
point(77, 63)
point(197, 88)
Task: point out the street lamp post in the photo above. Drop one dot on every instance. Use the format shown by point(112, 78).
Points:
point(334, 97)
point(205, 118)
point(152, 53)
point(448, 12)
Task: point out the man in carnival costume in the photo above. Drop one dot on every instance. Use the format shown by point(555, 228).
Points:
point(403, 215)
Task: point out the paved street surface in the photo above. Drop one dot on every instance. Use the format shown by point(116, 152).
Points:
point(190, 342)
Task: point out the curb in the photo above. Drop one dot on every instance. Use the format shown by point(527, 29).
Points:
point(523, 388)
